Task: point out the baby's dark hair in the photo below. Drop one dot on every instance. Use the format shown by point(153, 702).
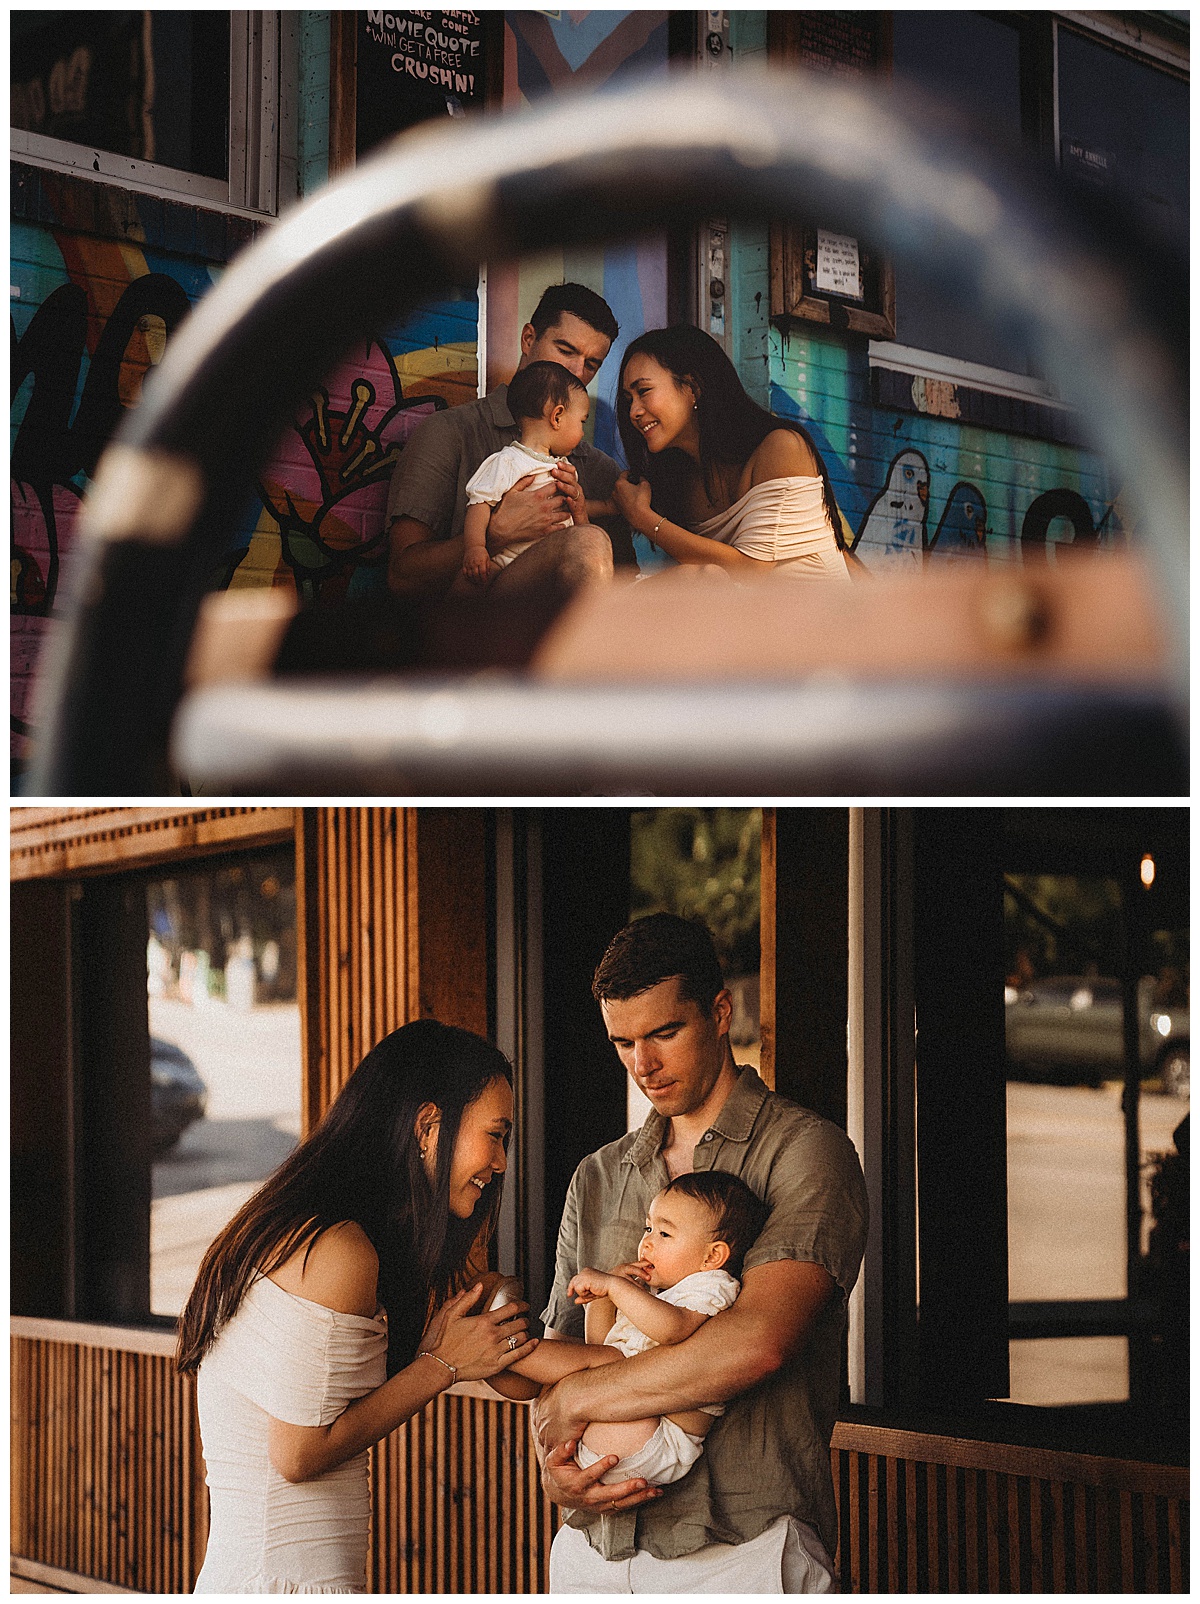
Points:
point(542, 384)
point(739, 1214)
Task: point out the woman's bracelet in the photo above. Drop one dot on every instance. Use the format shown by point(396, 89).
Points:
point(426, 1354)
point(656, 528)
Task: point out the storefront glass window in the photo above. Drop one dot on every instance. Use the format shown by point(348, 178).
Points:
point(224, 1052)
point(1075, 1258)
point(971, 63)
point(151, 85)
point(705, 863)
point(1123, 127)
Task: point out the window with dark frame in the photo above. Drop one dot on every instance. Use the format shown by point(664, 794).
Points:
point(194, 105)
point(152, 85)
point(225, 1058)
point(1086, 1141)
point(157, 1068)
point(1051, 987)
point(1122, 125)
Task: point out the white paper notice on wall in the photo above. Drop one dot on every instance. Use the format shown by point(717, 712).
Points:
point(838, 269)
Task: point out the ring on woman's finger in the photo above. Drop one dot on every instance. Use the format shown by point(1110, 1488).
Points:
point(513, 1344)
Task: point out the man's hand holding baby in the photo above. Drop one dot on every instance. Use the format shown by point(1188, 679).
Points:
point(526, 514)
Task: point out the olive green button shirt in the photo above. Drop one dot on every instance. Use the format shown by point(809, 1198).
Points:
point(429, 481)
point(768, 1455)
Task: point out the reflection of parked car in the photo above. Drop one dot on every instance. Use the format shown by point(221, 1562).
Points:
point(1069, 1028)
point(177, 1094)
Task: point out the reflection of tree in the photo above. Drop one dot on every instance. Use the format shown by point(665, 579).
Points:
point(240, 904)
point(702, 863)
point(1060, 924)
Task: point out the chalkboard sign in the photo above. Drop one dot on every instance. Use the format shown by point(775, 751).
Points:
point(815, 274)
point(417, 65)
point(845, 43)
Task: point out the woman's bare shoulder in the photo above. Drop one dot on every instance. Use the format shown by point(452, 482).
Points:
point(342, 1271)
point(780, 455)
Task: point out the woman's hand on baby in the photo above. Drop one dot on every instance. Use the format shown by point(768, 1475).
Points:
point(480, 1345)
point(633, 501)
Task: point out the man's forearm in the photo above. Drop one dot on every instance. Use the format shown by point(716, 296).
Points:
point(710, 1367)
point(736, 1349)
point(424, 567)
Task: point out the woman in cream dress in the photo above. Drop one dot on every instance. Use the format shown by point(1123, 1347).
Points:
point(310, 1323)
point(714, 479)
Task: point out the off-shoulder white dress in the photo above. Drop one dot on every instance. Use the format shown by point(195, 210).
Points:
point(286, 1357)
point(783, 521)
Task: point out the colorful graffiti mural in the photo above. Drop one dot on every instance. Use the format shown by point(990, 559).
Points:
point(547, 53)
point(100, 285)
point(324, 493)
point(83, 340)
point(917, 490)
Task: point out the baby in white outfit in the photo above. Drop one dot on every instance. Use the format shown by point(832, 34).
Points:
point(699, 1228)
point(550, 406)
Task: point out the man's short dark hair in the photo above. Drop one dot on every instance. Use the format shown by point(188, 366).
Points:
point(738, 1213)
point(657, 948)
point(579, 300)
point(532, 389)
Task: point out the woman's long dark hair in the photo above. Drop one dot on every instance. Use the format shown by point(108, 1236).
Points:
point(362, 1163)
point(731, 424)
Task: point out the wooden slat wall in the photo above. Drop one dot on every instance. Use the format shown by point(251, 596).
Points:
point(68, 841)
point(395, 928)
point(359, 940)
point(936, 1515)
point(457, 1503)
point(107, 1476)
point(108, 1483)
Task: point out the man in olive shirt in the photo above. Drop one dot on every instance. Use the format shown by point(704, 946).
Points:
point(573, 326)
point(756, 1513)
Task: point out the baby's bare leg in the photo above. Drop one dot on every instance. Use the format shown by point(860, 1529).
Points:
point(619, 1437)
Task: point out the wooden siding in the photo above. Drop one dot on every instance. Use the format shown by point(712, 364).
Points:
point(107, 1475)
point(922, 1514)
point(393, 928)
point(108, 1483)
point(457, 1505)
point(68, 841)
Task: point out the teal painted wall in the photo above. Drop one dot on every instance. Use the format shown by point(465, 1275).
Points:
point(312, 100)
point(881, 459)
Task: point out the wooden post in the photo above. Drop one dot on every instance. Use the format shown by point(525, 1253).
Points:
point(805, 944)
